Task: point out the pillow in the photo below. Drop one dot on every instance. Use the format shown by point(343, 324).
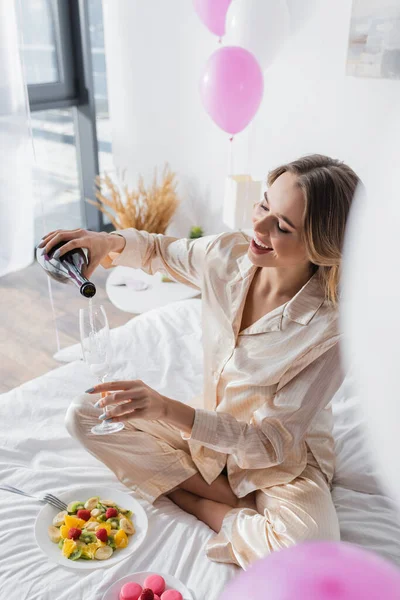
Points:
point(355, 468)
point(367, 515)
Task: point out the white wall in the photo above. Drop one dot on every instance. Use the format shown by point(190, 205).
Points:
point(155, 52)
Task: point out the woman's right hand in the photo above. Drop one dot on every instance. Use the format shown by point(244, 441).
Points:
point(98, 244)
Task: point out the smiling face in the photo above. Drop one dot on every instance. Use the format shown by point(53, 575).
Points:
point(278, 224)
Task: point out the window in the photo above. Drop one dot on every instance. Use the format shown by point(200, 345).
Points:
point(103, 124)
point(63, 53)
point(47, 52)
point(39, 47)
point(56, 182)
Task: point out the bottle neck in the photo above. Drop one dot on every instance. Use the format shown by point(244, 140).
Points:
point(74, 263)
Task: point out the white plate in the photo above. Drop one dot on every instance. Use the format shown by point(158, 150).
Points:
point(171, 583)
point(46, 515)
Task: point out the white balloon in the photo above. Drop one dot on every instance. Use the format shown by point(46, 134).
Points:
point(260, 26)
point(300, 12)
point(370, 310)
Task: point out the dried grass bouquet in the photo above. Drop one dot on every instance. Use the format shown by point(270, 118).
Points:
point(147, 208)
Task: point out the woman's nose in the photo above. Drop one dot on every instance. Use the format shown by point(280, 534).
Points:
point(263, 224)
point(262, 219)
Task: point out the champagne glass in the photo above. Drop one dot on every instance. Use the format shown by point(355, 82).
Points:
point(97, 352)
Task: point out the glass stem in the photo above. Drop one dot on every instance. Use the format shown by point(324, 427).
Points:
point(103, 423)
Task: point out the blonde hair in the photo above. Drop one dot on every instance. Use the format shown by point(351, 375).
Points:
point(328, 186)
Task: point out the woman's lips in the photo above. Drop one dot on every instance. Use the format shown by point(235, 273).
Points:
point(257, 250)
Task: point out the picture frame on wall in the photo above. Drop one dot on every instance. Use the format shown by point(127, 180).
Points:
point(374, 39)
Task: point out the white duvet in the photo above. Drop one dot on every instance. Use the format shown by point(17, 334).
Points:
point(161, 348)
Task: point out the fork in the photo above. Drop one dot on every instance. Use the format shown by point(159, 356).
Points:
point(47, 498)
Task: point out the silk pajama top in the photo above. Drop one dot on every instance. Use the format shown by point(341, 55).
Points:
point(267, 389)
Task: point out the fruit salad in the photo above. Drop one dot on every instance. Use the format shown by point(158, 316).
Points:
point(91, 530)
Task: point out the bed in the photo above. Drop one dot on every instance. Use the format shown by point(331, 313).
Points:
point(162, 348)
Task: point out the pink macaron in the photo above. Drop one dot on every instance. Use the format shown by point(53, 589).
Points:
point(130, 591)
point(171, 595)
point(155, 583)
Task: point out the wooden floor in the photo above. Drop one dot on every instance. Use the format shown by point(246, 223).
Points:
point(27, 332)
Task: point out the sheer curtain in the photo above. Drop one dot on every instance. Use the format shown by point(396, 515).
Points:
point(16, 153)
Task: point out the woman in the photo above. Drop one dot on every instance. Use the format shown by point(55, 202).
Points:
point(255, 461)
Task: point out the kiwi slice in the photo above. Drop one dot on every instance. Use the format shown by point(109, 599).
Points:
point(111, 543)
point(73, 507)
point(87, 537)
point(76, 554)
point(113, 522)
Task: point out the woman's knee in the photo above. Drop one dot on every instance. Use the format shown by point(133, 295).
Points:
point(290, 522)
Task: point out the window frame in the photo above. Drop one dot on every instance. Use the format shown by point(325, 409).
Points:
point(47, 95)
point(75, 89)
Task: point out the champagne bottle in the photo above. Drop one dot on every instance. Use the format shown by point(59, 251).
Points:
point(67, 268)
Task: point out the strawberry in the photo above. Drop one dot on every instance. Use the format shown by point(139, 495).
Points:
point(83, 514)
point(111, 512)
point(74, 533)
point(147, 594)
point(102, 535)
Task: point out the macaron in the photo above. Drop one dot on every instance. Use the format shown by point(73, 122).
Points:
point(171, 595)
point(130, 591)
point(155, 583)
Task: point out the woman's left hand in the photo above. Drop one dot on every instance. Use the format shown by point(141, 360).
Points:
point(130, 400)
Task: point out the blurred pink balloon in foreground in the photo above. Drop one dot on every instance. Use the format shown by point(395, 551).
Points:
point(231, 88)
point(213, 14)
point(317, 571)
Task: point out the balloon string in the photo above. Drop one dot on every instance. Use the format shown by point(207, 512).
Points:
point(231, 156)
point(245, 210)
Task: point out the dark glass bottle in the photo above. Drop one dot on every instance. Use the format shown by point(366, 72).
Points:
point(67, 268)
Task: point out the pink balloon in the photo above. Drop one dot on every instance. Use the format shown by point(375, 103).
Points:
point(317, 571)
point(213, 14)
point(231, 88)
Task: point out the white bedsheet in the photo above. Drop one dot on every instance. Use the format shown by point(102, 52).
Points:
point(161, 348)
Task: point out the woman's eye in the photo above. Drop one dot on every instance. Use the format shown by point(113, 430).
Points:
point(279, 229)
point(283, 230)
